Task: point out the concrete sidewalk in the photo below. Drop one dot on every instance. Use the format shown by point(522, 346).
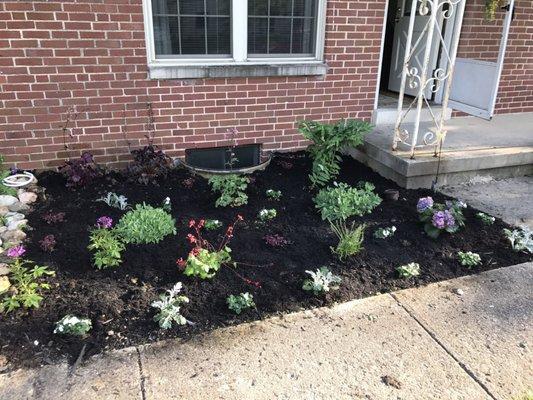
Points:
point(467, 338)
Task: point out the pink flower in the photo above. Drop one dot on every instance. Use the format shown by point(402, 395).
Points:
point(192, 222)
point(192, 239)
point(16, 251)
point(104, 222)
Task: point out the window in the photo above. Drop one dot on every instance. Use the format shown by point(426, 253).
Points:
point(234, 32)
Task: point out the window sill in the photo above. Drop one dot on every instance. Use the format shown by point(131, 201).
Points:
point(236, 70)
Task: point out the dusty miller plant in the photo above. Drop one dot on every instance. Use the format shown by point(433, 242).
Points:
point(322, 280)
point(520, 239)
point(114, 200)
point(169, 306)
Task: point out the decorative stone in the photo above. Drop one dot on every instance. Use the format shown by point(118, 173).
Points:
point(19, 207)
point(12, 217)
point(17, 224)
point(3, 210)
point(14, 237)
point(4, 284)
point(7, 200)
point(4, 269)
point(27, 197)
point(2, 230)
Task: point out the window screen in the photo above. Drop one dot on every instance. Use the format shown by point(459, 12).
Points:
point(192, 27)
point(282, 27)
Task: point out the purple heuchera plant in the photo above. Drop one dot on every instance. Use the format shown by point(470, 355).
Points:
point(81, 171)
point(424, 203)
point(15, 252)
point(104, 222)
point(48, 243)
point(276, 240)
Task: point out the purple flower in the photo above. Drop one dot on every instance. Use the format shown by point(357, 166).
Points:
point(439, 220)
point(424, 203)
point(104, 222)
point(449, 219)
point(16, 251)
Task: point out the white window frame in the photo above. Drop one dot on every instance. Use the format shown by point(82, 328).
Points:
point(239, 42)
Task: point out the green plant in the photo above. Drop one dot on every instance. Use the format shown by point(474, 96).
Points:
point(520, 239)
point(384, 233)
point(267, 214)
point(340, 202)
point(145, 224)
point(409, 270)
point(169, 306)
point(205, 263)
point(241, 302)
point(107, 247)
point(27, 283)
point(491, 6)
point(469, 259)
point(72, 325)
point(232, 189)
point(350, 239)
point(438, 218)
point(321, 281)
point(328, 140)
point(4, 173)
point(273, 194)
point(212, 224)
point(485, 218)
point(115, 201)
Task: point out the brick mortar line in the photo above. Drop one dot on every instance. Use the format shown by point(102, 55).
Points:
point(442, 346)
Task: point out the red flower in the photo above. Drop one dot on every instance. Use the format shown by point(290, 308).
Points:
point(195, 251)
point(253, 283)
point(192, 222)
point(191, 238)
point(240, 217)
point(181, 263)
point(201, 223)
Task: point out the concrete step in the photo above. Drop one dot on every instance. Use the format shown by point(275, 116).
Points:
point(388, 115)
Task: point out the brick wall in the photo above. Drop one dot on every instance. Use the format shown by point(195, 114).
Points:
point(90, 55)
point(481, 39)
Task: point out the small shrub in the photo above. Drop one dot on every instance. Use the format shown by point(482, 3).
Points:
point(232, 189)
point(72, 325)
point(439, 218)
point(48, 243)
point(409, 270)
point(328, 141)
point(4, 173)
point(384, 233)
point(80, 172)
point(146, 224)
point(276, 240)
point(469, 259)
point(169, 306)
point(485, 218)
point(107, 248)
point(350, 239)
point(53, 218)
point(266, 215)
point(114, 200)
point(273, 194)
point(148, 165)
point(321, 281)
point(520, 239)
point(212, 224)
point(27, 280)
point(239, 303)
point(342, 201)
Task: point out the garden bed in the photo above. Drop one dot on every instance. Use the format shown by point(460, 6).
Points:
point(118, 300)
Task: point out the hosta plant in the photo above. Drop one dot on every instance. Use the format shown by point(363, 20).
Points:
point(72, 325)
point(328, 140)
point(409, 270)
point(232, 189)
point(267, 214)
point(485, 218)
point(438, 218)
point(469, 259)
point(520, 239)
point(114, 200)
point(350, 239)
point(146, 224)
point(273, 194)
point(322, 280)
point(384, 233)
point(239, 303)
point(169, 306)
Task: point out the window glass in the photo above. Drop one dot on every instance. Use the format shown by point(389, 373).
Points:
point(282, 27)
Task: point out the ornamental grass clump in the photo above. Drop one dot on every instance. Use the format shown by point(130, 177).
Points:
point(240, 303)
point(328, 140)
point(169, 306)
point(350, 239)
point(232, 189)
point(322, 281)
point(469, 259)
point(72, 325)
point(438, 218)
point(145, 224)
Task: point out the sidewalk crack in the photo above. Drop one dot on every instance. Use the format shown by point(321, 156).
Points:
point(141, 374)
point(433, 336)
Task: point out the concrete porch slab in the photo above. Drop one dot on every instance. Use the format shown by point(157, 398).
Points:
point(500, 148)
point(488, 328)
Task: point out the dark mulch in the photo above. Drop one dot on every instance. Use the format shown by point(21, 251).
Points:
point(119, 300)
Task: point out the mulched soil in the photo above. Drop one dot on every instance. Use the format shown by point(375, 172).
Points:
point(118, 300)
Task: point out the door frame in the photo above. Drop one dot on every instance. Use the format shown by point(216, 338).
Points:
point(442, 63)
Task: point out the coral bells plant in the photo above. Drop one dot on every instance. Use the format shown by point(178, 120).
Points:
point(48, 243)
point(204, 260)
point(276, 240)
point(439, 217)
